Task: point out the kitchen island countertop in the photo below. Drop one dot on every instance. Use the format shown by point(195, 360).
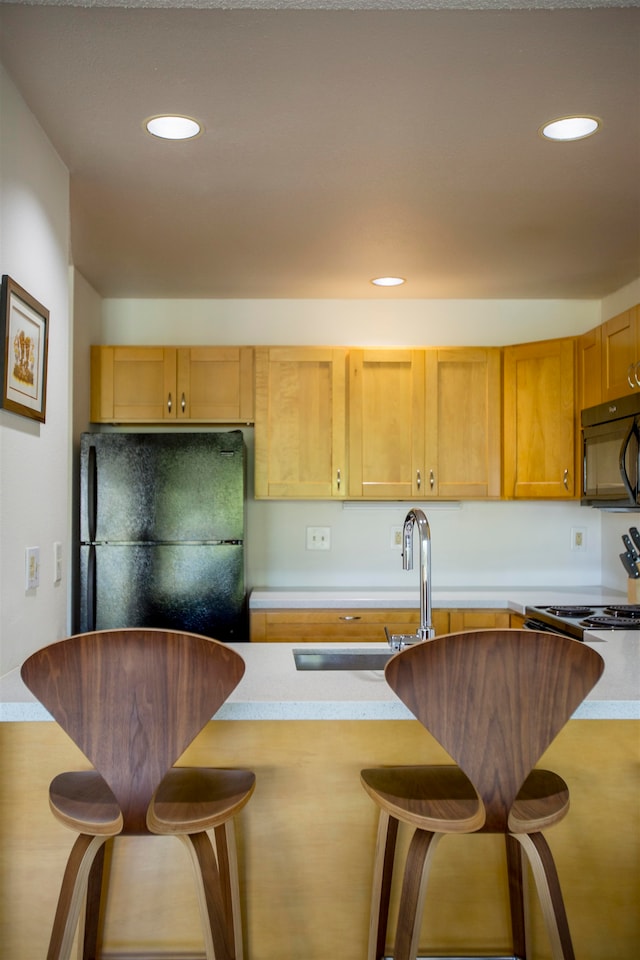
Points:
point(272, 688)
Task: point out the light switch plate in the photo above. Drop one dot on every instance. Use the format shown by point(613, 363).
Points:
point(32, 568)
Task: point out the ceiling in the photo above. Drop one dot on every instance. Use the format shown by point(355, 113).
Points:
point(341, 142)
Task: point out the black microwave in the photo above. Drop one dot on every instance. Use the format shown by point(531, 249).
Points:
point(611, 454)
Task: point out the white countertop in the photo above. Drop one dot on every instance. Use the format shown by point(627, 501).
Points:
point(272, 688)
point(506, 598)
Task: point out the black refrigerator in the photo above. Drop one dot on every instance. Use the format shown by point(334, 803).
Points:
point(162, 532)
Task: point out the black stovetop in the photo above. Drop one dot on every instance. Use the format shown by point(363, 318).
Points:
point(574, 620)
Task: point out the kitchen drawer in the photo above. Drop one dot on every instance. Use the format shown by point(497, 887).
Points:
point(480, 619)
point(314, 625)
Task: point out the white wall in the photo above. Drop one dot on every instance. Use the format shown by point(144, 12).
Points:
point(34, 457)
point(483, 544)
point(374, 322)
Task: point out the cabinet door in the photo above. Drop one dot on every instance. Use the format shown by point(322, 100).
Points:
point(300, 433)
point(133, 384)
point(620, 355)
point(539, 420)
point(589, 369)
point(386, 424)
point(215, 384)
point(463, 423)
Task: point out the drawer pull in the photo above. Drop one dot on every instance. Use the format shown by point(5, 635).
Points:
point(350, 618)
point(169, 403)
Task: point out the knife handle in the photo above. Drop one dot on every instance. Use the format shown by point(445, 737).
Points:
point(631, 550)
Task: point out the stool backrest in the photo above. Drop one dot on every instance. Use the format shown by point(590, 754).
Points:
point(495, 699)
point(133, 700)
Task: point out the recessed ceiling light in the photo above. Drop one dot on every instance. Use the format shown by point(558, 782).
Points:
point(173, 128)
point(388, 281)
point(570, 128)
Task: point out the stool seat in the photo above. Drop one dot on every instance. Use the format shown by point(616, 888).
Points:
point(442, 798)
point(83, 801)
point(198, 798)
point(495, 700)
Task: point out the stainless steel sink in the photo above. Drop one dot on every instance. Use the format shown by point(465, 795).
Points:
point(341, 659)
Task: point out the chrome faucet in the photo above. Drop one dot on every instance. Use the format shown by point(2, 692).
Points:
point(425, 631)
point(415, 516)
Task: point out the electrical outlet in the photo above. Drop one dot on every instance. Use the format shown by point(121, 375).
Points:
point(396, 538)
point(32, 568)
point(578, 538)
point(318, 538)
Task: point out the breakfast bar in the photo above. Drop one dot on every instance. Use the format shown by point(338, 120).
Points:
point(307, 837)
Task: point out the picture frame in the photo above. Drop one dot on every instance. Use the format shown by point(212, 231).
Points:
point(24, 329)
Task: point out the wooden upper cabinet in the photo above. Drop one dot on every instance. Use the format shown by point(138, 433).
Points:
point(589, 386)
point(463, 423)
point(300, 433)
point(539, 420)
point(133, 384)
point(386, 424)
point(171, 384)
point(215, 384)
point(621, 354)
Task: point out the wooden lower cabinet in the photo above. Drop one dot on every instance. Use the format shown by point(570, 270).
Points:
point(364, 625)
point(478, 619)
point(324, 625)
point(307, 840)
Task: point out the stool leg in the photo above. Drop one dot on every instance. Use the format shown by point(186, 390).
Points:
point(227, 853)
point(381, 889)
point(516, 897)
point(97, 882)
point(72, 892)
point(549, 893)
point(210, 897)
point(419, 856)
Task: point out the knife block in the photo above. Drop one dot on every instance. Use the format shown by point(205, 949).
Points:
point(633, 590)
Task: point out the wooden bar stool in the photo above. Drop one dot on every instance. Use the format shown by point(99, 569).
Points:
point(495, 700)
point(132, 701)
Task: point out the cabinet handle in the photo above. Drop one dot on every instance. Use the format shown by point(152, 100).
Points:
point(565, 479)
point(635, 375)
point(183, 403)
point(338, 478)
point(169, 403)
point(418, 479)
point(630, 370)
point(350, 618)
point(432, 479)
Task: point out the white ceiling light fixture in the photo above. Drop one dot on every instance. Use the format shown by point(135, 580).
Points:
point(173, 127)
point(570, 128)
point(388, 281)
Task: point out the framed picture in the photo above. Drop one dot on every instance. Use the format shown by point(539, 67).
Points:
point(24, 324)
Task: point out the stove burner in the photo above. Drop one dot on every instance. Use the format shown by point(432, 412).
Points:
point(614, 622)
point(574, 612)
point(626, 611)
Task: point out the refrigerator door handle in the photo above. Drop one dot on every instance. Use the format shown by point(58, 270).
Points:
point(91, 589)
